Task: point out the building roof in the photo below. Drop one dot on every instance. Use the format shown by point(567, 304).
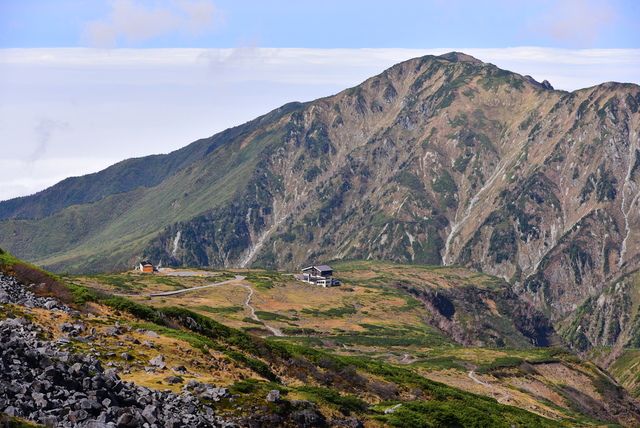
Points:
point(145, 263)
point(321, 268)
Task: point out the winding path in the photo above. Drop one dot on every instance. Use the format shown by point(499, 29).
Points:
point(502, 400)
point(274, 330)
point(184, 290)
point(238, 278)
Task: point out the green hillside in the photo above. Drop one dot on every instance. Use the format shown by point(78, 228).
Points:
point(351, 386)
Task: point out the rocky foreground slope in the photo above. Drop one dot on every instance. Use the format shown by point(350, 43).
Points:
point(53, 362)
point(41, 381)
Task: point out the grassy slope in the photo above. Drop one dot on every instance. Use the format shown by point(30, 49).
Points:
point(113, 229)
point(125, 176)
point(360, 387)
point(369, 321)
point(119, 225)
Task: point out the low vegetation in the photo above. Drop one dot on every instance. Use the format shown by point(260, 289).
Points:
point(359, 367)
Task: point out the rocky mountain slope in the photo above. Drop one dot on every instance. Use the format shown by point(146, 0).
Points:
point(436, 160)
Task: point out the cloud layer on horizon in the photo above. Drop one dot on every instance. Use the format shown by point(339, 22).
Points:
point(84, 109)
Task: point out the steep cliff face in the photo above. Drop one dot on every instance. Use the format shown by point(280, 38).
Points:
point(455, 161)
point(436, 160)
point(563, 223)
point(608, 320)
point(485, 316)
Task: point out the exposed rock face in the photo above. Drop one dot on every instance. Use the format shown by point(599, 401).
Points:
point(493, 317)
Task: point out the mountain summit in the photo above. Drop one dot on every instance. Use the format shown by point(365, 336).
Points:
point(436, 160)
point(459, 56)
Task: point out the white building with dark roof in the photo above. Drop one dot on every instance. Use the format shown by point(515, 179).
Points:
point(319, 275)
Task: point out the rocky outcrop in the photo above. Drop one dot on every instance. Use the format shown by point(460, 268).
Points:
point(11, 291)
point(52, 387)
point(487, 317)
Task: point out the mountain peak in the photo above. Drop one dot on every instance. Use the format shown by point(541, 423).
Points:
point(460, 57)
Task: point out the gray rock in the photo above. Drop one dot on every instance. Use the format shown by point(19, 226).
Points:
point(49, 421)
point(150, 413)
point(273, 396)
point(40, 400)
point(222, 392)
point(127, 420)
point(180, 369)
point(158, 362)
point(348, 423)
point(65, 327)
point(307, 418)
point(111, 331)
point(392, 409)
point(97, 424)
point(78, 416)
point(192, 384)
point(51, 304)
point(193, 325)
point(172, 380)
point(13, 411)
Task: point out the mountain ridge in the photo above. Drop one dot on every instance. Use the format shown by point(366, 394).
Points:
point(436, 160)
point(124, 176)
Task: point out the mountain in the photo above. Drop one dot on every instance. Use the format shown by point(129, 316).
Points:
point(436, 160)
point(124, 176)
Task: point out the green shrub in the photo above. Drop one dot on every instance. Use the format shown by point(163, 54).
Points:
point(331, 312)
point(330, 396)
point(270, 316)
point(136, 309)
point(220, 309)
point(292, 331)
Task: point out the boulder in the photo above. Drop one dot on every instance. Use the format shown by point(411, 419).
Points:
point(172, 380)
point(273, 396)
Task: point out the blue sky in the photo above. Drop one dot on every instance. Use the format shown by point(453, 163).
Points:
point(320, 24)
point(86, 83)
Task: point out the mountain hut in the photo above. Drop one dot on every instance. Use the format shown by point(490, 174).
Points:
point(320, 275)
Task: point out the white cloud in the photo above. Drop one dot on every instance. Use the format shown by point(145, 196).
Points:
point(202, 14)
point(72, 111)
point(135, 22)
point(578, 22)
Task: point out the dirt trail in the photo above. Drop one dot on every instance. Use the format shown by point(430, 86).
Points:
point(506, 397)
point(184, 290)
point(274, 330)
point(247, 302)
